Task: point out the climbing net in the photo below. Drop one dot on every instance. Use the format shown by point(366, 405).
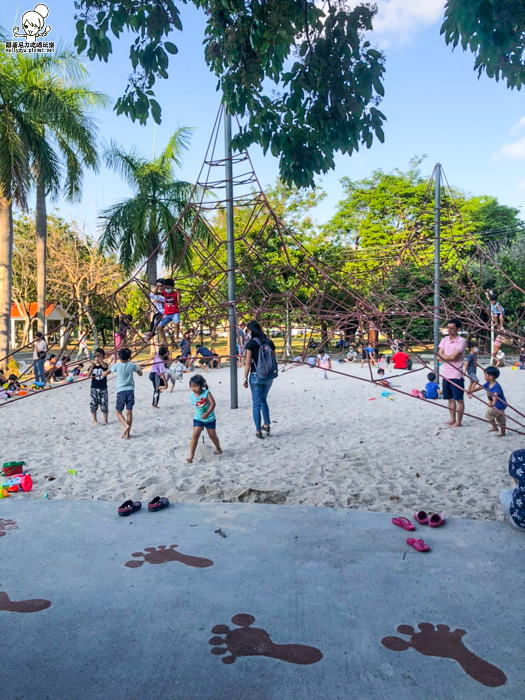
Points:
point(308, 294)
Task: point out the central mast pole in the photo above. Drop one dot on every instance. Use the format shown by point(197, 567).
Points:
point(437, 265)
point(230, 247)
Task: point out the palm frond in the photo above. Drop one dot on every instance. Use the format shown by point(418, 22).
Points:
point(178, 144)
point(124, 164)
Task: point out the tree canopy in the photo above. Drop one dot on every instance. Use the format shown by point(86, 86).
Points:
point(325, 79)
point(494, 30)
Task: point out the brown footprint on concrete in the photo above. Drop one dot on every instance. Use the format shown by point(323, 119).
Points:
point(441, 642)
point(251, 641)
point(7, 525)
point(23, 606)
point(162, 555)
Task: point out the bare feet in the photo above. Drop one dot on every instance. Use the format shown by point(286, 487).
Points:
point(190, 461)
point(156, 407)
point(218, 452)
point(451, 422)
point(456, 425)
point(125, 434)
point(493, 430)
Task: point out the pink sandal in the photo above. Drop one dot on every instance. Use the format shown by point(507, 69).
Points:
point(436, 520)
point(404, 523)
point(418, 545)
point(421, 517)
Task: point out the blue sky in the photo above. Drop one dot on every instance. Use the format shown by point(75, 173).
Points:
point(434, 103)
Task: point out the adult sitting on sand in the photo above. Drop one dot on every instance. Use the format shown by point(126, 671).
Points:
point(401, 359)
point(513, 500)
point(260, 386)
point(452, 355)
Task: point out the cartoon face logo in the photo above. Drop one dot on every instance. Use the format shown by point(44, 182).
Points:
point(33, 24)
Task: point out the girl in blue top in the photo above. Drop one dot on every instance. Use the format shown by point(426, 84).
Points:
point(204, 416)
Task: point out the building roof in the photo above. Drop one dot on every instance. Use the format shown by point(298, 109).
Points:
point(33, 310)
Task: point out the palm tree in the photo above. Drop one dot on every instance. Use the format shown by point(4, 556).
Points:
point(20, 143)
point(40, 111)
point(138, 227)
point(56, 94)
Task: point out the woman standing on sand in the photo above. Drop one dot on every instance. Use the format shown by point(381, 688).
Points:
point(260, 386)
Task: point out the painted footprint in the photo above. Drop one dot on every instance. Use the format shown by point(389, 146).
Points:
point(162, 555)
point(251, 641)
point(6, 525)
point(23, 606)
point(443, 643)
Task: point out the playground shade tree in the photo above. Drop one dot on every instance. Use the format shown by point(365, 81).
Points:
point(328, 76)
point(493, 30)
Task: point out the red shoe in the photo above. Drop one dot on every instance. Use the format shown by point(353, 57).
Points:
point(404, 523)
point(421, 517)
point(419, 545)
point(436, 520)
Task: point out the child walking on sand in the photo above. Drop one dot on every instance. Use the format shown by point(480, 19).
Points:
point(496, 412)
point(158, 374)
point(99, 387)
point(324, 362)
point(204, 416)
point(176, 371)
point(471, 365)
point(125, 388)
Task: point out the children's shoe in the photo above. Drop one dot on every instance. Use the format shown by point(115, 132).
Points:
point(158, 503)
point(404, 523)
point(421, 517)
point(129, 507)
point(419, 545)
point(436, 520)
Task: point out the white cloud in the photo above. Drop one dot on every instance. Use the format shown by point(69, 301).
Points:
point(521, 185)
point(398, 20)
point(514, 150)
point(518, 127)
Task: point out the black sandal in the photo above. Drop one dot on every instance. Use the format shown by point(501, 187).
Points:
point(266, 429)
point(259, 435)
point(158, 503)
point(129, 507)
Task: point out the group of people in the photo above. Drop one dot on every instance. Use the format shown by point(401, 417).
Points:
point(260, 370)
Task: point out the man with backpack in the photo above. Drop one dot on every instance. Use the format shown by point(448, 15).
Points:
point(260, 370)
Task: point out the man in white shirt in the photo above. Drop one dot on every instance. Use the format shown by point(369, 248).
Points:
point(39, 357)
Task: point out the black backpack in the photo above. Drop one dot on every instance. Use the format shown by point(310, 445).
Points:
point(266, 367)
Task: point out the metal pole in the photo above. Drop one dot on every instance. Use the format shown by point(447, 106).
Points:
point(437, 270)
point(230, 247)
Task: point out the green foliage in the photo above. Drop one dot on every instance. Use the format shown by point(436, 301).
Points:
point(329, 78)
point(494, 31)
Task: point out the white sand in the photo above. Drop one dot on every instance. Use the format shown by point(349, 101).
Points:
point(330, 446)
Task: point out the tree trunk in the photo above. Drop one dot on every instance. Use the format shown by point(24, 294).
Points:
point(92, 324)
point(324, 336)
point(287, 353)
point(41, 246)
point(151, 270)
point(151, 274)
point(6, 268)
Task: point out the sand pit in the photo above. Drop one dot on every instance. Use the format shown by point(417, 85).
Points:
point(330, 445)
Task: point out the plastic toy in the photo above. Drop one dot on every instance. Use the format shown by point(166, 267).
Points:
point(23, 481)
point(72, 471)
point(4, 493)
point(13, 468)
